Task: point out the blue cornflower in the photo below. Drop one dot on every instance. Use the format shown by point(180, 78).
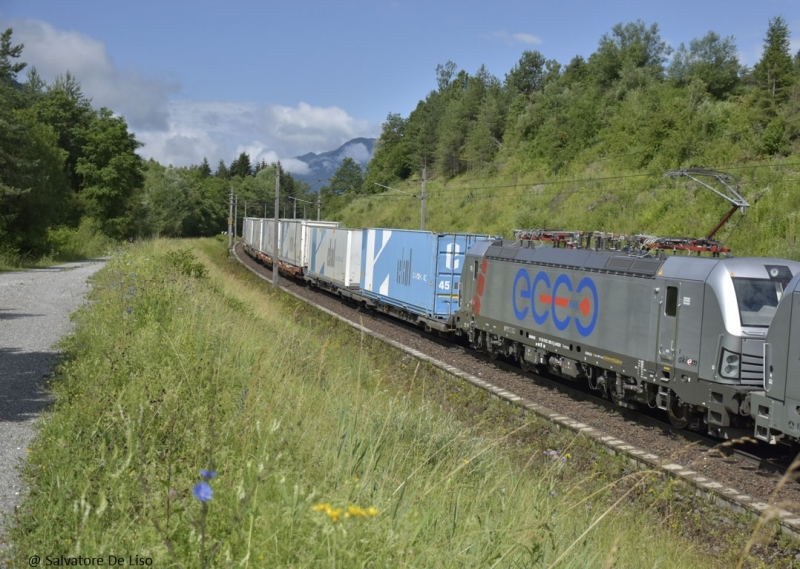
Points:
point(203, 492)
point(208, 474)
point(128, 309)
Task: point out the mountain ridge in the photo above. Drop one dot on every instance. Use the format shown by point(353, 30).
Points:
point(322, 166)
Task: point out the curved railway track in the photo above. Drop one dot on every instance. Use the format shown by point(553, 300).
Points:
point(743, 479)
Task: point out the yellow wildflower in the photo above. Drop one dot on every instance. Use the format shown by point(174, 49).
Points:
point(372, 512)
point(354, 511)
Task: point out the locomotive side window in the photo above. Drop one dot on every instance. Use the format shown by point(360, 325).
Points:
point(475, 271)
point(671, 308)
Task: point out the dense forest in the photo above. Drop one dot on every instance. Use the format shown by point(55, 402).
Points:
point(635, 108)
point(634, 100)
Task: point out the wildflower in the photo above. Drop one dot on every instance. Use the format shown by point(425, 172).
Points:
point(203, 492)
point(208, 474)
point(354, 511)
point(128, 309)
point(372, 512)
point(333, 514)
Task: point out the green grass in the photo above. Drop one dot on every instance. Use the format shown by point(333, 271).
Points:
point(177, 365)
point(599, 197)
point(64, 244)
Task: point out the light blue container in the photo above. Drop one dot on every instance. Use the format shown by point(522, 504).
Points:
point(417, 271)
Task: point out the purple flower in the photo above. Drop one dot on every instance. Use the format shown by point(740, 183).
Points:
point(203, 492)
point(208, 474)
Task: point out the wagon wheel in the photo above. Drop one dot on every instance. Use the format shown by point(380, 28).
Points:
point(525, 365)
point(616, 399)
point(680, 414)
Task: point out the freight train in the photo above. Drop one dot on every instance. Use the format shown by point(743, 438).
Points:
point(682, 333)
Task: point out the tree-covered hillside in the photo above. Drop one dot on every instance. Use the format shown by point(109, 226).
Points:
point(635, 101)
point(585, 144)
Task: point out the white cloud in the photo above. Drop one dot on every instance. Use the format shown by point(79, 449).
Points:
point(224, 130)
point(523, 38)
point(181, 132)
point(139, 98)
point(357, 152)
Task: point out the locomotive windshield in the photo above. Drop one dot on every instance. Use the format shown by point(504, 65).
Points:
point(758, 299)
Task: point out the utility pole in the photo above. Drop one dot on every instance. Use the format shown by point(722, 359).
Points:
point(235, 216)
point(276, 248)
point(245, 208)
point(319, 205)
point(294, 213)
point(230, 221)
point(422, 199)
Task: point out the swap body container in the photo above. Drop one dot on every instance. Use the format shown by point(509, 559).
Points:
point(416, 271)
point(334, 255)
point(292, 235)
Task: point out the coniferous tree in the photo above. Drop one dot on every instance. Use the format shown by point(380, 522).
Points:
point(222, 171)
point(775, 72)
point(8, 69)
point(205, 168)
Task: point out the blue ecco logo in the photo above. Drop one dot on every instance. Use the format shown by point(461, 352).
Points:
point(544, 299)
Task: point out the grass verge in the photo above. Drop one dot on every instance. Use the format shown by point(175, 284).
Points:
point(326, 449)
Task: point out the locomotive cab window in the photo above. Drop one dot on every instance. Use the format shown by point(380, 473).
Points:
point(758, 299)
point(671, 308)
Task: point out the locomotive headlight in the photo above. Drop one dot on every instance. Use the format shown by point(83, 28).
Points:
point(729, 364)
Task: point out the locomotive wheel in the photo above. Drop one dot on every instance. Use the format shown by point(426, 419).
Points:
point(615, 399)
point(618, 401)
point(679, 415)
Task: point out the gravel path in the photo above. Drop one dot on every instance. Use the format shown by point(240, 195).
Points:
point(34, 314)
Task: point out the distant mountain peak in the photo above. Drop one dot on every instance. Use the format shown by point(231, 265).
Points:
point(322, 166)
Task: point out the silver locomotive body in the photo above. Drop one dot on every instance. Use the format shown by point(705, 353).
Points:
point(776, 409)
point(681, 333)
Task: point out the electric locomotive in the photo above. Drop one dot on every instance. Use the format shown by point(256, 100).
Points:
point(681, 333)
point(776, 409)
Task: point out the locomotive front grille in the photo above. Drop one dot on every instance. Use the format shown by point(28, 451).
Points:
point(752, 370)
point(752, 362)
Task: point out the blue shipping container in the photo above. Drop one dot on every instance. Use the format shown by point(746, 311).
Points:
point(418, 271)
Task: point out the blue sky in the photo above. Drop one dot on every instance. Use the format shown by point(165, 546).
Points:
point(278, 79)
